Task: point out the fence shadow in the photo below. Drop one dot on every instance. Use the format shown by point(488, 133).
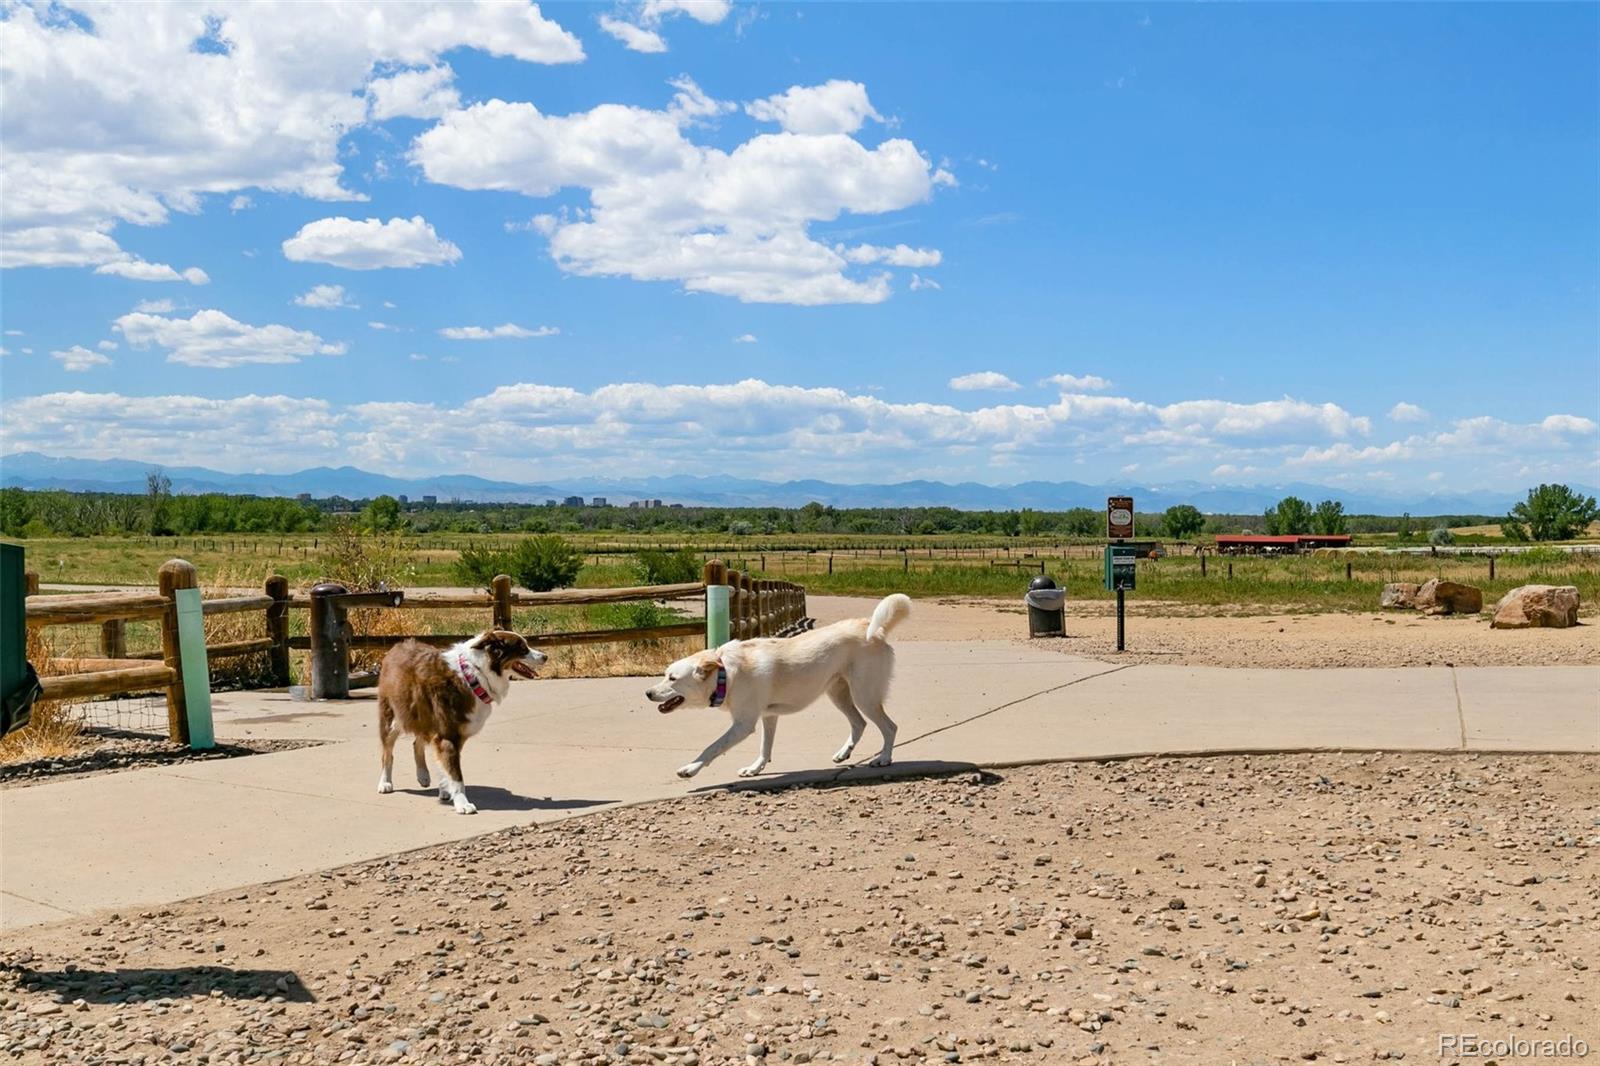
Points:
point(115, 986)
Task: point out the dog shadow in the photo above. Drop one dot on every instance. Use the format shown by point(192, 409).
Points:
point(860, 774)
point(115, 986)
point(493, 798)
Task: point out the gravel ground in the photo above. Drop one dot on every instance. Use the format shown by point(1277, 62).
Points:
point(104, 751)
point(1267, 909)
point(1190, 636)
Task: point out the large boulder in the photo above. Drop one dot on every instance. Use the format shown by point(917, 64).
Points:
point(1449, 597)
point(1534, 606)
point(1399, 595)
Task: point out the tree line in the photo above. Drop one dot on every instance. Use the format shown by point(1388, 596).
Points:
point(1551, 512)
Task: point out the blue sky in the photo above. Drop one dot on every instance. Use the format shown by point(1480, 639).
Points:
point(1348, 244)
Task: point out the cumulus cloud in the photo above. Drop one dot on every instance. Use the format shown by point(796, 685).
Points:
point(709, 12)
point(663, 208)
point(1077, 383)
point(114, 115)
point(139, 270)
point(745, 338)
point(429, 92)
point(371, 244)
point(326, 297)
point(900, 255)
point(983, 380)
point(500, 332)
point(832, 107)
point(154, 307)
point(213, 339)
point(634, 38)
point(79, 359)
point(1407, 412)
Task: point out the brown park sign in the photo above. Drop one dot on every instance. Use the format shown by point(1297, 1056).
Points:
point(1119, 517)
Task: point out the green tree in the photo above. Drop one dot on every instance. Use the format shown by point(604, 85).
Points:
point(1441, 535)
point(1031, 522)
point(1329, 518)
point(1183, 521)
point(1403, 531)
point(1291, 515)
point(1551, 512)
point(1084, 522)
point(16, 511)
point(382, 515)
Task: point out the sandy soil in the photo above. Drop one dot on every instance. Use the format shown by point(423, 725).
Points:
point(1168, 633)
point(1262, 909)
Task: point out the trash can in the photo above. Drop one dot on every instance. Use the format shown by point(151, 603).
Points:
point(1047, 608)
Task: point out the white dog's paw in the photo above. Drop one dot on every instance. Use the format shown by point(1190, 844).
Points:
point(843, 753)
point(385, 786)
point(881, 760)
point(422, 777)
point(463, 806)
point(753, 769)
point(690, 769)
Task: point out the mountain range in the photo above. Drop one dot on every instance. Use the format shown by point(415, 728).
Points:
point(32, 470)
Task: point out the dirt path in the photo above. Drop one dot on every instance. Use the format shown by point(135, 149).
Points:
point(1171, 634)
point(1268, 909)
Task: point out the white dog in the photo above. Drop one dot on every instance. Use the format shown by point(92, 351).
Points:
point(762, 680)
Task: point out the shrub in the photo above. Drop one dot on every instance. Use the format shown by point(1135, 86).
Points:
point(362, 561)
point(657, 567)
point(1441, 535)
point(538, 564)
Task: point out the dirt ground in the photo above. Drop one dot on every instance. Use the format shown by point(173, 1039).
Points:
point(1166, 633)
point(1329, 908)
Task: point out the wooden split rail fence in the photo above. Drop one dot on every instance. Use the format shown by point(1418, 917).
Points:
point(757, 608)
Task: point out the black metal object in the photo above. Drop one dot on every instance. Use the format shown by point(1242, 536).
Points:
point(19, 684)
point(330, 635)
point(1120, 594)
point(1047, 607)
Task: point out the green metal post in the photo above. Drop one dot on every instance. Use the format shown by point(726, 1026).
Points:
point(196, 672)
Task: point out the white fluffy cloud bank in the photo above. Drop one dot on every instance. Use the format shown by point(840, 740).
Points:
point(755, 428)
point(664, 208)
point(213, 339)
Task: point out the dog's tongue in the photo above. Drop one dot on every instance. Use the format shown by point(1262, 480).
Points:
point(668, 706)
point(522, 669)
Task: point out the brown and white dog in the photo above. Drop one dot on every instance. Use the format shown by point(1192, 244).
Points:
point(443, 697)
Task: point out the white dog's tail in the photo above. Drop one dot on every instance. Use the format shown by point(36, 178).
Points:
point(889, 613)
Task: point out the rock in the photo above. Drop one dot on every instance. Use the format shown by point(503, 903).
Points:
point(1537, 606)
point(1449, 597)
point(1399, 595)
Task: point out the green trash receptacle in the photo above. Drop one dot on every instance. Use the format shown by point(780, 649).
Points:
point(19, 685)
point(1047, 608)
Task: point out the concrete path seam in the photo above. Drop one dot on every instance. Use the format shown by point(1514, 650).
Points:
point(1012, 703)
point(40, 903)
point(1461, 715)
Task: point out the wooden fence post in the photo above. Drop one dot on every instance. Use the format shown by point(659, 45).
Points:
point(501, 587)
point(1202, 564)
point(1491, 568)
point(113, 639)
point(277, 587)
point(174, 574)
point(747, 606)
point(330, 651)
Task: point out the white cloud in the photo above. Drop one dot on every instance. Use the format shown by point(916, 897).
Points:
point(371, 244)
point(139, 270)
point(1077, 383)
point(900, 255)
point(500, 332)
point(635, 38)
point(919, 282)
point(240, 203)
point(832, 107)
point(745, 338)
point(417, 357)
point(429, 92)
point(326, 297)
point(386, 327)
point(116, 117)
point(107, 346)
point(154, 307)
point(983, 380)
point(709, 12)
point(662, 208)
point(1407, 412)
point(79, 359)
point(211, 338)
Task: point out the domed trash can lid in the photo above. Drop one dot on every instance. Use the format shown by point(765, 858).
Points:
point(1051, 599)
point(1043, 581)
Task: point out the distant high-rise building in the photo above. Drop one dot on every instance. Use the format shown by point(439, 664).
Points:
point(599, 501)
point(549, 503)
point(430, 500)
point(655, 503)
point(402, 499)
point(304, 497)
point(572, 501)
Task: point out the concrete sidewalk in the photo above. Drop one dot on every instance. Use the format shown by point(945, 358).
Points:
point(560, 748)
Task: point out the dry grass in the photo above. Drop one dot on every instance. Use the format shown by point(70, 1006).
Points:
point(640, 658)
point(55, 726)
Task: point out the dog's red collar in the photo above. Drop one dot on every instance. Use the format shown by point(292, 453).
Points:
point(472, 680)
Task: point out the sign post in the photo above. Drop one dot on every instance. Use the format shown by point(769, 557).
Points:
point(1121, 569)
